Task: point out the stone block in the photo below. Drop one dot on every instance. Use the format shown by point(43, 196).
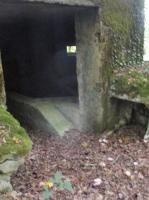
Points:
point(5, 186)
point(10, 166)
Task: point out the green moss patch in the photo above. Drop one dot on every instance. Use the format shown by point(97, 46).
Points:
point(124, 18)
point(118, 15)
point(133, 82)
point(13, 138)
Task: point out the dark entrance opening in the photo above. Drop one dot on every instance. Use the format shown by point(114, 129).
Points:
point(35, 58)
point(43, 86)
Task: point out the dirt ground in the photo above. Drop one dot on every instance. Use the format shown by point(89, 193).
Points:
point(114, 167)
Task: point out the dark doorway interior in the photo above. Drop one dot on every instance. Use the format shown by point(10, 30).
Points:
point(34, 55)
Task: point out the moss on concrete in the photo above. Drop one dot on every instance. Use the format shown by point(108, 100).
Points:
point(133, 82)
point(13, 138)
point(118, 15)
point(124, 18)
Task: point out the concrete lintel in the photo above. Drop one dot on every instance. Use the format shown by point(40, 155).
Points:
point(66, 2)
point(79, 3)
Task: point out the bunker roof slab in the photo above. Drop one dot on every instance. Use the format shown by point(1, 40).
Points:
point(86, 3)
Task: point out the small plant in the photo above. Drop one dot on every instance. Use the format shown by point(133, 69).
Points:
point(57, 182)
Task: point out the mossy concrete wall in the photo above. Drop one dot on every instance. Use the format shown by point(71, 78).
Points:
point(130, 78)
point(126, 20)
point(92, 69)
point(114, 39)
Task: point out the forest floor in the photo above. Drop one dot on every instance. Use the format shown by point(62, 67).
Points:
point(114, 167)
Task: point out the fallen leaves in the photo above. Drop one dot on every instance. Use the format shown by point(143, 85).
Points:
point(140, 175)
point(4, 131)
point(17, 140)
point(97, 182)
point(3, 134)
point(48, 184)
point(103, 141)
point(102, 164)
point(84, 145)
point(127, 173)
point(110, 159)
point(99, 168)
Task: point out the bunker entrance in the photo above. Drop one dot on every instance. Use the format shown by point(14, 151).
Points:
point(38, 60)
point(42, 50)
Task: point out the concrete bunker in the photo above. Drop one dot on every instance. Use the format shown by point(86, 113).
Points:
point(44, 82)
point(108, 36)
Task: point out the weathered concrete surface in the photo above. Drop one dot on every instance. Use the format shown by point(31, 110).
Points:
point(135, 100)
point(130, 110)
point(69, 107)
point(126, 20)
point(53, 115)
point(131, 87)
point(2, 85)
point(88, 3)
point(92, 45)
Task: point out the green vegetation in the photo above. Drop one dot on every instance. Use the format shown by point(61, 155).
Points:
point(133, 82)
point(57, 182)
point(118, 15)
point(126, 34)
point(13, 138)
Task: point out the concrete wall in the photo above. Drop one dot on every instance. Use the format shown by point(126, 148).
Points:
point(111, 37)
point(126, 20)
point(2, 85)
point(93, 76)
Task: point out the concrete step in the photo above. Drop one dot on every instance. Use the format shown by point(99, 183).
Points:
point(59, 123)
point(69, 107)
point(46, 114)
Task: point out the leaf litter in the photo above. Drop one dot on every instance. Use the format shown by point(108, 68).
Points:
point(119, 169)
